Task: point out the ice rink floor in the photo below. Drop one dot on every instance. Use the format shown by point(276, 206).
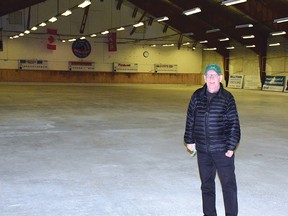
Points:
point(80, 150)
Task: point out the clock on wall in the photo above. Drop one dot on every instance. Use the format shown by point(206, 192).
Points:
point(145, 54)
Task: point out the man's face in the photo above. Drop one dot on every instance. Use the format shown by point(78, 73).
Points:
point(213, 81)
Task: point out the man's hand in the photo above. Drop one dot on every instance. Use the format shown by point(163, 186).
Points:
point(229, 153)
point(191, 147)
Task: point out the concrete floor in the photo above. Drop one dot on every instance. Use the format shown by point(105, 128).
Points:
point(118, 151)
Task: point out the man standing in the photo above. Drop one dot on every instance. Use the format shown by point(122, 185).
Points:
point(213, 129)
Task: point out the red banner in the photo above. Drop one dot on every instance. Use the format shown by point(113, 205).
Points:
point(51, 39)
point(112, 44)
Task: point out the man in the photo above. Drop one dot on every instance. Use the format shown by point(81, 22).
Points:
point(213, 129)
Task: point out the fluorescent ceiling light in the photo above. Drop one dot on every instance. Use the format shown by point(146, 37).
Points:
point(274, 44)
point(186, 44)
point(204, 41)
point(34, 28)
point(27, 32)
point(67, 13)
point(63, 41)
point(232, 2)
point(168, 45)
point(212, 30)
point(192, 11)
point(73, 39)
point(93, 35)
point(244, 26)
point(224, 39)
point(82, 38)
point(248, 36)
point(84, 4)
point(281, 20)
point(154, 45)
point(16, 36)
point(104, 32)
point(21, 34)
point(42, 24)
point(120, 29)
point(278, 33)
point(251, 46)
point(210, 49)
point(53, 19)
point(138, 24)
point(230, 48)
point(161, 19)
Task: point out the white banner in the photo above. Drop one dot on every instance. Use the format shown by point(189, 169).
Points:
point(252, 82)
point(32, 64)
point(165, 68)
point(235, 81)
point(81, 66)
point(125, 67)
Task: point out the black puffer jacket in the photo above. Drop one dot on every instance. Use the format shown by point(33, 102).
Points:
point(214, 126)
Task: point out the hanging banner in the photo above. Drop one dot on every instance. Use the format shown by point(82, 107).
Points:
point(235, 81)
point(51, 43)
point(286, 85)
point(274, 83)
point(1, 41)
point(125, 67)
point(112, 43)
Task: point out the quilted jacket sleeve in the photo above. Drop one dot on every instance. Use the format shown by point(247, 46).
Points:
point(188, 136)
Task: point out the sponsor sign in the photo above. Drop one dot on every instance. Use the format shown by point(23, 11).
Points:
point(165, 68)
point(32, 64)
point(81, 48)
point(235, 81)
point(274, 83)
point(125, 67)
point(81, 66)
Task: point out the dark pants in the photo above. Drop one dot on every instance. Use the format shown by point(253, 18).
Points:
point(208, 164)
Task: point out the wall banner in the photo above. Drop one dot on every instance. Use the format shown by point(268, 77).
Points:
point(235, 81)
point(165, 68)
point(252, 82)
point(125, 67)
point(32, 64)
point(81, 66)
point(274, 83)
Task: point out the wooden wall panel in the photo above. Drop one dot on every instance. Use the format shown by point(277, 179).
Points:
point(10, 75)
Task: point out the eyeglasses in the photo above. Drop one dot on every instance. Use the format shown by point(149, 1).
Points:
point(211, 76)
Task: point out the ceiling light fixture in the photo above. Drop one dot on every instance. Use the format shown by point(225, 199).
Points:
point(281, 20)
point(168, 45)
point(186, 44)
point(120, 29)
point(250, 46)
point(224, 39)
point(204, 41)
point(278, 33)
point(244, 26)
point(27, 32)
point(53, 19)
point(232, 2)
point(104, 32)
point(210, 49)
point(93, 35)
point(34, 28)
point(212, 30)
point(248, 36)
point(82, 38)
point(230, 48)
point(274, 44)
point(192, 11)
point(71, 40)
point(67, 13)
point(42, 24)
point(138, 24)
point(84, 4)
point(161, 19)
